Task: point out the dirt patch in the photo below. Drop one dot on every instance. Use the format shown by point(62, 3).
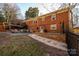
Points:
point(4, 38)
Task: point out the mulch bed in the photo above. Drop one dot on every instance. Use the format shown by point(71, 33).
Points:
point(51, 51)
point(54, 36)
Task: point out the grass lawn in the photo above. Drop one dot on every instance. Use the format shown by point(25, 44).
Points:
point(20, 45)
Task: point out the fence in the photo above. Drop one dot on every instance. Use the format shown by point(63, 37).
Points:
point(72, 41)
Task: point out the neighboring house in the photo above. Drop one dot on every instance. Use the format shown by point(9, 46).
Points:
point(56, 21)
point(16, 24)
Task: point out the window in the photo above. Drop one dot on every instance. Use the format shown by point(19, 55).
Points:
point(53, 17)
point(37, 28)
point(53, 27)
point(36, 21)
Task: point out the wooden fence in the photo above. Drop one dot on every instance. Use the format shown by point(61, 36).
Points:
point(72, 43)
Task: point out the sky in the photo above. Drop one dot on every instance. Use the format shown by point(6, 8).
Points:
point(43, 8)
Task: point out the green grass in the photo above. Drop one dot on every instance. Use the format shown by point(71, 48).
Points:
point(20, 46)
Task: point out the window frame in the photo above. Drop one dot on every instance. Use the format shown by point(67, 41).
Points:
point(53, 17)
point(53, 26)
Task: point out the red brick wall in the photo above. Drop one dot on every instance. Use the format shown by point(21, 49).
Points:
point(63, 18)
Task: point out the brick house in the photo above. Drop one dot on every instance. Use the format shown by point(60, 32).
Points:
point(56, 21)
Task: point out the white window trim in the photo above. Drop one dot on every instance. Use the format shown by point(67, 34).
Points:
point(53, 16)
point(53, 25)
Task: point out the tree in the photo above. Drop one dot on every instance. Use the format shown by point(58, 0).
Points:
point(2, 19)
point(31, 13)
point(10, 12)
point(71, 7)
